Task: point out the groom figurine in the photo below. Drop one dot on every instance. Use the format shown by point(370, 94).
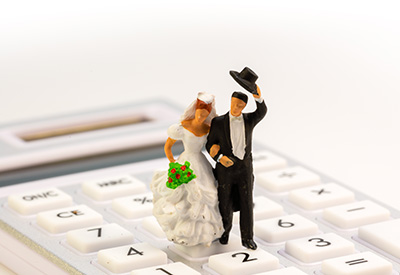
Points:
point(230, 143)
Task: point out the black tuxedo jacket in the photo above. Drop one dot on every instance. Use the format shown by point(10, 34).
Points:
point(220, 132)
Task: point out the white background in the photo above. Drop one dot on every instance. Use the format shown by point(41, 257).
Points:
point(329, 70)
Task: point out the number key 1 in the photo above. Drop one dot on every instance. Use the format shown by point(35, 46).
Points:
point(177, 268)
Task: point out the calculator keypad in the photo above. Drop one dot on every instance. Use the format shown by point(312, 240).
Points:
point(303, 224)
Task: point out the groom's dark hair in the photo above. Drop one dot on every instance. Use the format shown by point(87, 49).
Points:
point(243, 97)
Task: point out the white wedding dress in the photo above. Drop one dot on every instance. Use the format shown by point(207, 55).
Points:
point(189, 214)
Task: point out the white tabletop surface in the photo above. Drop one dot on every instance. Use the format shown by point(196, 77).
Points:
point(329, 70)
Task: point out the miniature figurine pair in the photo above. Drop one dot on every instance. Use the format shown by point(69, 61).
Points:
point(201, 210)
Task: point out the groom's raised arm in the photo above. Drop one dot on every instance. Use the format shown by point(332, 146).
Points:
point(261, 110)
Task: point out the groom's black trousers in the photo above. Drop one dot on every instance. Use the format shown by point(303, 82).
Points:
point(235, 192)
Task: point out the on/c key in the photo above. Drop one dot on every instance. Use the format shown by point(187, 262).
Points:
point(40, 200)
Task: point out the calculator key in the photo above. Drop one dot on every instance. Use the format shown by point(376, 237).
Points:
point(37, 201)
point(66, 219)
point(198, 251)
point(366, 263)
point(134, 207)
point(284, 271)
point(321, 196)
point(356, 214)
point(384, 235)
point(93, 239)
point(264, 208)
point(243, 262)
point(284, 228)
point(319, 247)
point(152, 226)
point(177, 268)
point(267, 161)
point(283, 180)
point(129, 257)
point(113, 187)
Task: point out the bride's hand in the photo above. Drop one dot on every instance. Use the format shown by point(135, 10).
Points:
point(172, 160)
point(214, 150)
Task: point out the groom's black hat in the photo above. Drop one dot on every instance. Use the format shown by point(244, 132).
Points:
point(246, 78)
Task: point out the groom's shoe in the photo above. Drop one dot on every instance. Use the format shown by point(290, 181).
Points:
point(224, 238)
point(249, 243)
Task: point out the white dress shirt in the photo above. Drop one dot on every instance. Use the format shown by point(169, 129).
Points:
point(238, 137)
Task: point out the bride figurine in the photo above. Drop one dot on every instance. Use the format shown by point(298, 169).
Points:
point(189, 214)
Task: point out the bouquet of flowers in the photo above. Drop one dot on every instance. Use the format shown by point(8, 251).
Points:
point(179, 174)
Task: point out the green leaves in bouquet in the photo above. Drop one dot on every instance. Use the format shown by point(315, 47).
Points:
point(179, 174)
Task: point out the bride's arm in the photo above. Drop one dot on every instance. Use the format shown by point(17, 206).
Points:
point(167, 149)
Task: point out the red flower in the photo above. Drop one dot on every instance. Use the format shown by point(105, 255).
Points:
point(173, 171)
point(169, 179)
point(183, 168)
point(188, 174)
point(178, 176)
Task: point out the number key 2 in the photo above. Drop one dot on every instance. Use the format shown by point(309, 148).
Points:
point(240, 262)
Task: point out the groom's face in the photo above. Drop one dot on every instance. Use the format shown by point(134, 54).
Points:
point(237, 106)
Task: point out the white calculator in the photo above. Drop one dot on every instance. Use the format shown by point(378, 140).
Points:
point(75, 199)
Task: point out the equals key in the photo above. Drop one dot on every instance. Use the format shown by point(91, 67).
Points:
point(366, 263)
